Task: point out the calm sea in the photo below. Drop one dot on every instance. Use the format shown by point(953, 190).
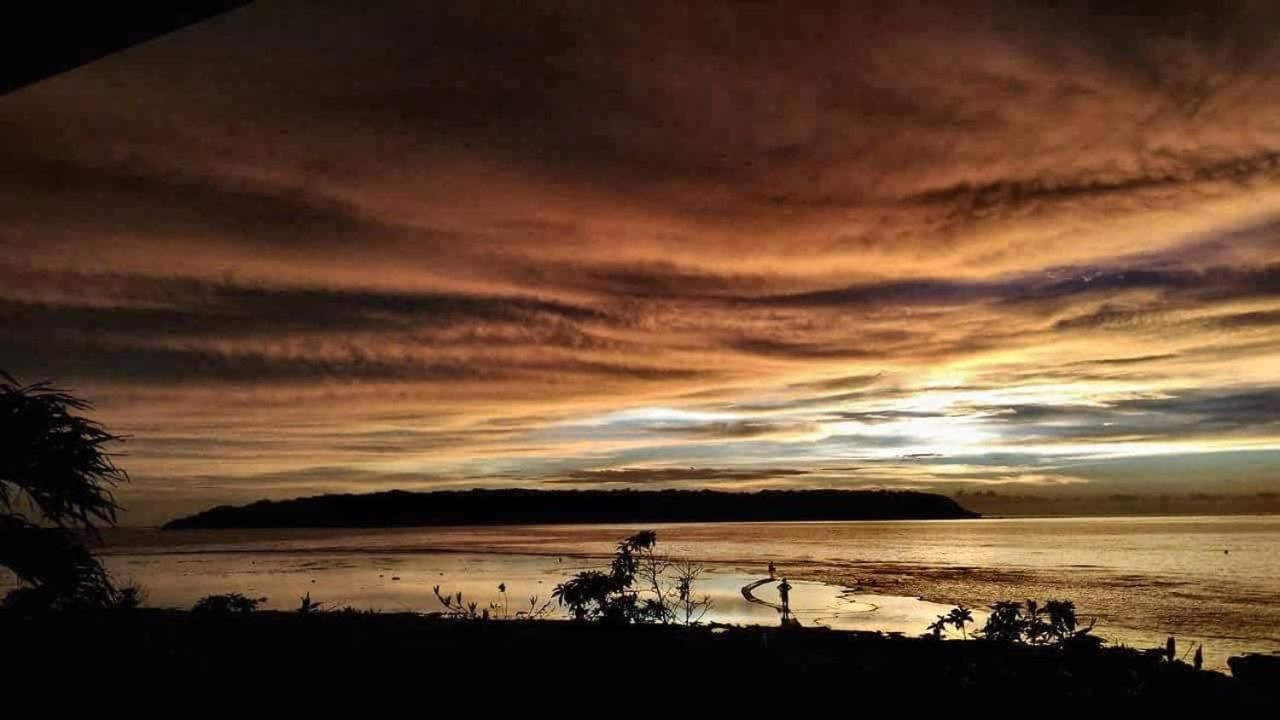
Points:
point(1210, 580)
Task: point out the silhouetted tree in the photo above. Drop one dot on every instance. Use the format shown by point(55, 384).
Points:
point(1037, 628)
point(609, 597)
point(1062, 619)
point(636, 588)
point(959, 617)
point(594, 595)
point(692, 608)
point(1054, 623)
point(1005, 623)
point(54, 465)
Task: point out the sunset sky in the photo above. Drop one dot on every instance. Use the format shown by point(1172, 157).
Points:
point(311, 246)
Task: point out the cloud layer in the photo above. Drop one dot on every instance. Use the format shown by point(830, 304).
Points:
point(683, 243)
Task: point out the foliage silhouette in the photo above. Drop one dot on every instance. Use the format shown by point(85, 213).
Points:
point(459, 608)
point(56, 570)
point(959, 617)
point(537, 609)
point(637, 588)
point(1062, 619)
point(131, 595)
point(54, 464)
point(1053, 624)
point(307, 606)
point(938, 627)
point(1037, 628)
point(226, 604)
point(456, 607)
point(54, 459)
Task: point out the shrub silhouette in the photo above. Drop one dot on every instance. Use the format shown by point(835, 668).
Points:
point(1053, 624)
point(53, 463)
point(1062, 619)
point(307, 606)
point(131, 595)
point(456, 607)
point(226, 604)
point(636, 589)
point(459, 608)
point(536, 610)
point(1037, 628)
point(1006, 622)
point(594, 595)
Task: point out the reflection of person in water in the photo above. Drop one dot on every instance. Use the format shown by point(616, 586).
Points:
point(784, 592)
point(773, 570)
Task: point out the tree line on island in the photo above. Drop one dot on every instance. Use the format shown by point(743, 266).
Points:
point(398, 508)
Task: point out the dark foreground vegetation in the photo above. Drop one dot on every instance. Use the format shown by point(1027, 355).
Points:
point(589, 661)
point(494, 507)
point(56, 483)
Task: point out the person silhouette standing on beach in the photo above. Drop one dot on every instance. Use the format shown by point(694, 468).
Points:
point(784, 592)
point(773, 570)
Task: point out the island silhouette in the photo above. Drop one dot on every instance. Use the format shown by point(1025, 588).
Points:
point(398, 508)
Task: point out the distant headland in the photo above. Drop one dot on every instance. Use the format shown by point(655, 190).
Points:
point(399, 508)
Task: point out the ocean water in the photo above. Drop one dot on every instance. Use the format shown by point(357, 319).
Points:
point(1210, 580)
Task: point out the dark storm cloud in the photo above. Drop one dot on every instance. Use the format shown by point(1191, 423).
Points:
point(166, 330)
point(1247, 407)
point(667, 91)
point(1256, 319)
point(1182, 414)
point(1217, 284)
point(662, 281)
point(802, 350)
point(153, 366)
point(170, 199)
point(122, 304)
point(335, 314)
point(59, 358)
point(966, 201)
